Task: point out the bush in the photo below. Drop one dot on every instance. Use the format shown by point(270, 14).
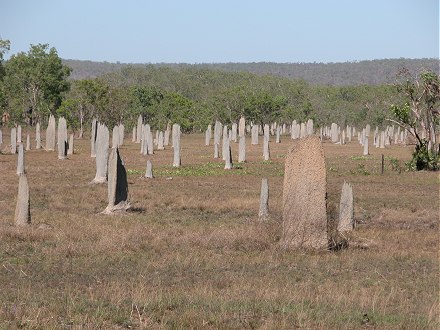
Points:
point(423, 158)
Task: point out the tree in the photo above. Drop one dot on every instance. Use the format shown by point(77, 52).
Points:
point(118, 110)
point(229, 104)
point(93, 99)
point(420, 115)
point(264, 108)
point(179, 109)
point(146, 101)
point(4, 48)
point(68, 109)
point(35, 82)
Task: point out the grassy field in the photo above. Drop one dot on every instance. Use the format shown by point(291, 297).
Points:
point(191, 254)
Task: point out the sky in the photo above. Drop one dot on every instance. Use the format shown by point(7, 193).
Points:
point(208, 31)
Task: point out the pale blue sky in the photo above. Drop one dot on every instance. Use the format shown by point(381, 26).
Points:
point(197, 31)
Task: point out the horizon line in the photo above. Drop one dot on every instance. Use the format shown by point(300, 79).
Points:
point(253, 62)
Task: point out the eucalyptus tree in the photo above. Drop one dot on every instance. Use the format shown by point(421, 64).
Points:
point(35, 82)
point(419, 114)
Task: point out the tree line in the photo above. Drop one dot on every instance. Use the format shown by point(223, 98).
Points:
point(374, 72)
point(36, 83)
point(195, 98)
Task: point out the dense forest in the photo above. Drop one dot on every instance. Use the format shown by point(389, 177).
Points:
point(374, 72)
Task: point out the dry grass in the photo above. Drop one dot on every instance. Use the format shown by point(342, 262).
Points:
point(191, 255)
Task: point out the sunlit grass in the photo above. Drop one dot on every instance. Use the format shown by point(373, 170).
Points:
point(191, 253)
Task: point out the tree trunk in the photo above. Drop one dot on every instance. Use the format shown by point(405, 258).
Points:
point(81, 119)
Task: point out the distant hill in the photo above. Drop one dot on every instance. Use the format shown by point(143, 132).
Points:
point(336, 74)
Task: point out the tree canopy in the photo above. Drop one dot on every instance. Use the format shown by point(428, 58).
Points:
point(34, 83)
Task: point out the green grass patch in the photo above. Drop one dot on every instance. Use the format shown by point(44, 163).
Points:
point(213, 169)
point(131, 172)
point(206, 169)
point(360, 169)
point(360, 158)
